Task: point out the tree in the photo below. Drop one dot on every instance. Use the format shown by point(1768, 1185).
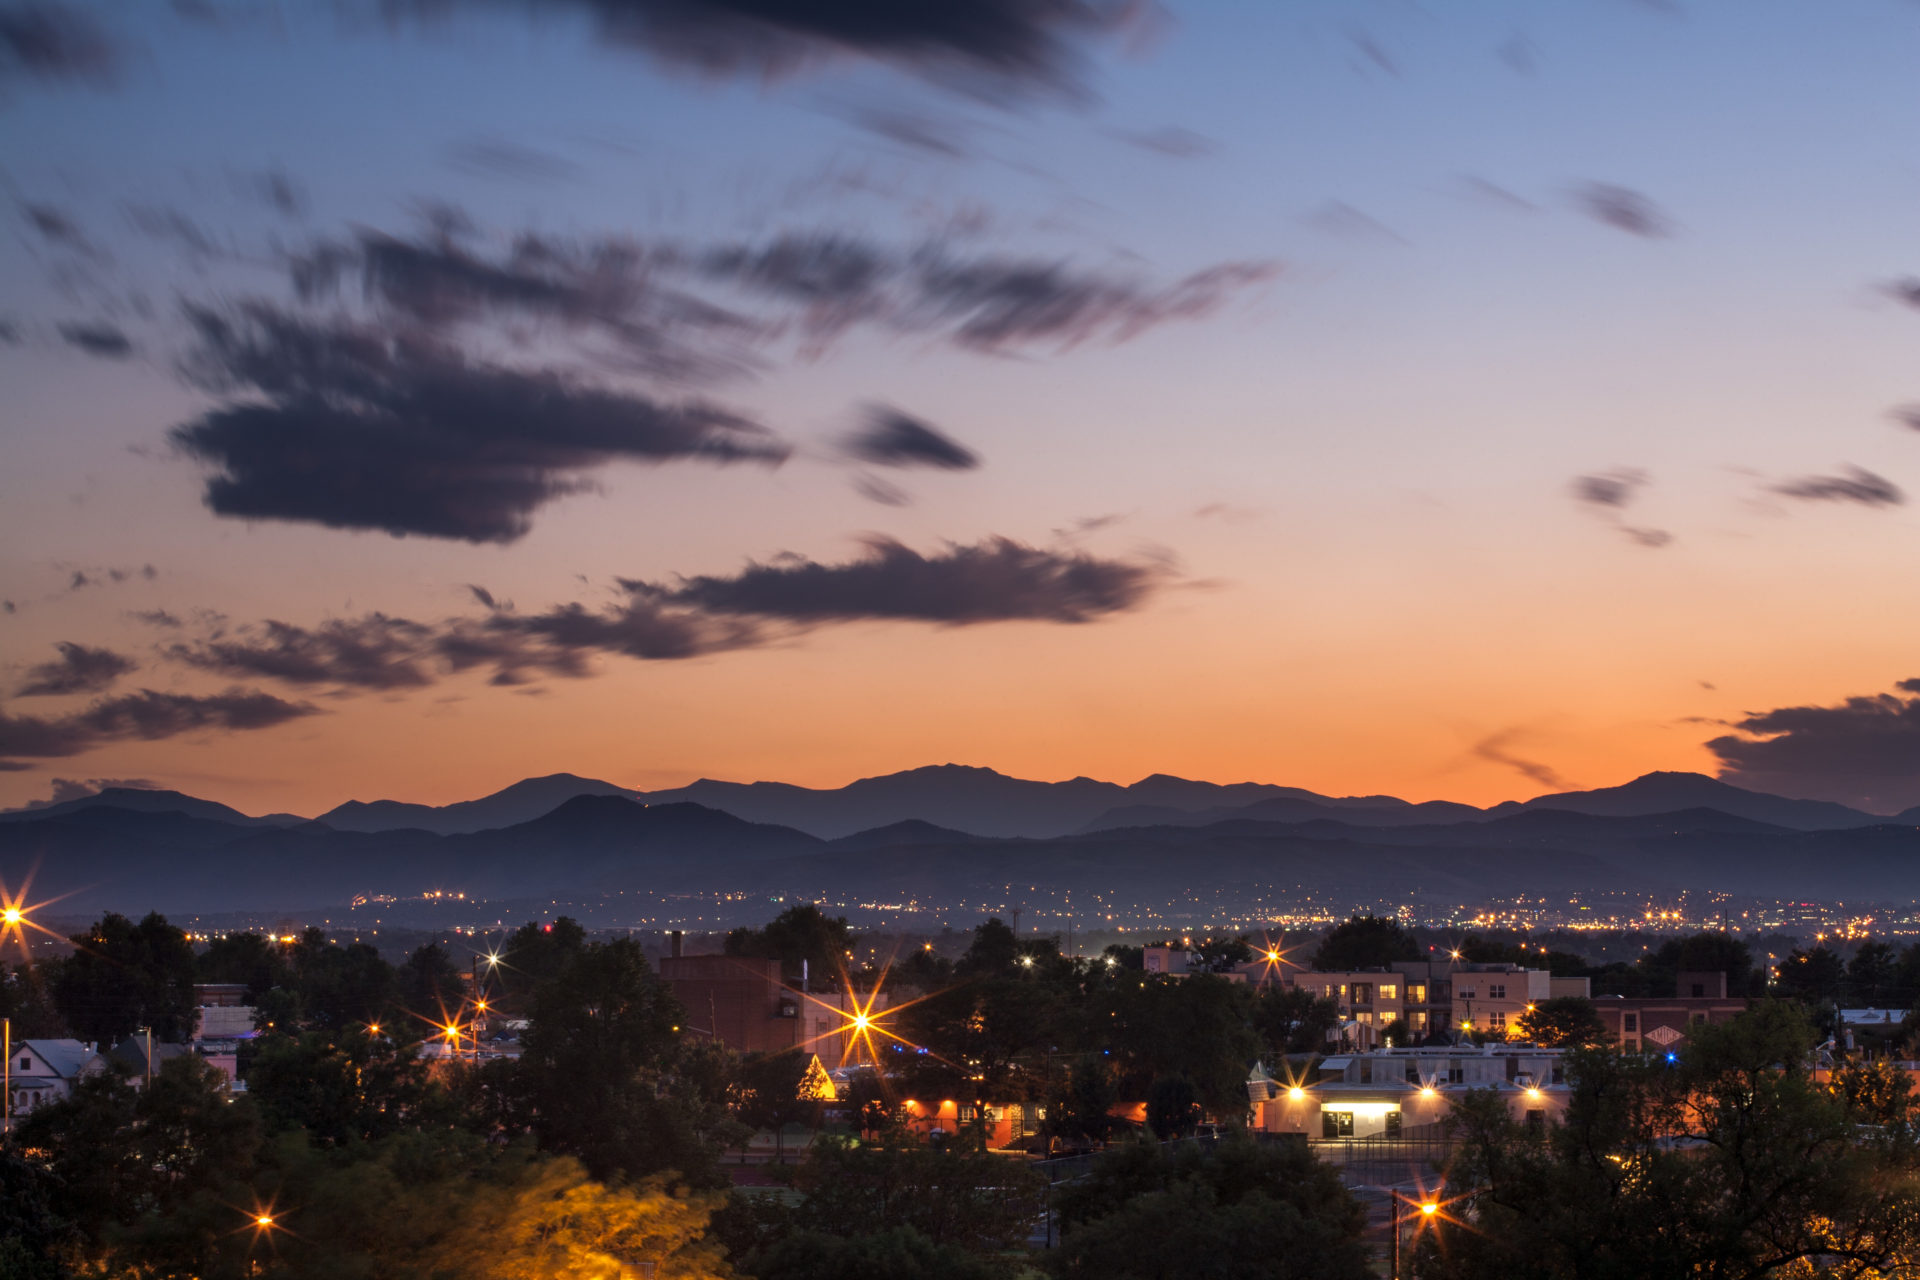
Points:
point(804, 939)
point(352, 1089)
point(1563, 1022)
point(430, 985)
point(600, 1038)
point(971, 1201)
point(1815, 976)
point(125, 976)
point(1080, 1107)
point(1173, 1107)
point(251, 958)
point(1292, 1020)
point(1365, 942)
point(1239, 1211)
point(1782, 1182)
point(768, 1095)
point(1709, 952)
point(898, 1253)
point(1197, 1027)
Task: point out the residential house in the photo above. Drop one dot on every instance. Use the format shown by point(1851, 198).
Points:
point(43, 1071)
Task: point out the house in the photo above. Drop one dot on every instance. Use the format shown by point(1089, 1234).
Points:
point(43, 1071)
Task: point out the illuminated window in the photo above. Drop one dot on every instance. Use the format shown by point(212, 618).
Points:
point(1389, 991)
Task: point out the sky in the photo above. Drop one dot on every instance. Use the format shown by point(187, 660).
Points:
point(410, 396)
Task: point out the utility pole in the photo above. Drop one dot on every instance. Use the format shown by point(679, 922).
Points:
point(7, 1102)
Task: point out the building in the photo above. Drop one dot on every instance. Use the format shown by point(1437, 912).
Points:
point(744, 1004)
point(43, 1071)
point(1656, 1025)
point(1393, 1093)
point(1430, 997)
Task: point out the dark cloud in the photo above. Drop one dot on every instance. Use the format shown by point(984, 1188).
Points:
point(374, 652)
point(98, 338)
point(997, 580)
point(885, 492)
point(57, 227)
point(495, 158)
point(998, 45)
point(482, 595)
point(1855, 485)
point(1906, 290)
point(1496, 748)
point(1609, 493)
point(986, 304)
point(1369, 48)
point(1610, 488)
point(914, 131)
point(79, 669)
point(280, 192)
point(1864, 751)
point(51, 41)
point(1907, 415)
point(365, 429)
point(65, 789)
point(1623, 209)
point(1171, 141)
point(996, 305)
point(148, 715)
point(610, 287)
point(157, 618)
point(892, 439)
point(158, 222)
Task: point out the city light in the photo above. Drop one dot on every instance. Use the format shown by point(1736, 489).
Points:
point(1428, 1208)
point(12, 916)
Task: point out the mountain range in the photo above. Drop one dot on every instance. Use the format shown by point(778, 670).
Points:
point(952, 834)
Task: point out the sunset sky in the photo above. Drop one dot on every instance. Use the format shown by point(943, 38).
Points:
point(1460, 401)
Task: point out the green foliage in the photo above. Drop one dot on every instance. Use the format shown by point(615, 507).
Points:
point(1292, 1020)
point(1079, 1106)
point(1173, 1107)
point(354, 1088)
point(1563, 1022)
point(595, 1065)
point(899, 1253)
point(26, 998)
point(125, 976)
point(1148, 1212)
point(1198, 1027)
point(251, 958)
point(1365, 942)
point(1779, 1175)
point(970, 1201)
point(800, 934)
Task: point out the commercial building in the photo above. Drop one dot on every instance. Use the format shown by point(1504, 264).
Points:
point(1655, 1024)
point(1430, 997)
point(1391, 1093)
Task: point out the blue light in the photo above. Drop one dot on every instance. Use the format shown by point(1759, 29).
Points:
point(1673, 1057)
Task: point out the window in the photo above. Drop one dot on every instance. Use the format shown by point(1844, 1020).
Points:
point(1465, 993)
point(1417, 1019)
point(1393, 1124)
point(1417, 992)
point(1699, 1018)
point(1630, 1022)
point(1363, 993)
point(1389, 991)
point(1364, 1017)
point(1496, 991)
point(1336, 1124)
point(1413, 1072)
point(1536, 1119)
point(968, 1113)
point(1497, 1020)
